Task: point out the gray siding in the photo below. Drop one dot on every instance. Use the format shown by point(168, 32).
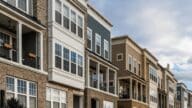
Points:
point(98, 28)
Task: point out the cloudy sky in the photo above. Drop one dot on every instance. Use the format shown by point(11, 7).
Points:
point(162, 26)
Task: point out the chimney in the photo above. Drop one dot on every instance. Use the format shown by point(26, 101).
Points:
point(168, 66)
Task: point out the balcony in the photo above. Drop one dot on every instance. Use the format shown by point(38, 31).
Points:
point(19, 43)
point(132, 89)
point(25, 6)
point(101, 77)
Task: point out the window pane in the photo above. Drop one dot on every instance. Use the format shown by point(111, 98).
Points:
point(12, 2)
point(98, 43)
point(58, 11)
point(33, 102)
point(73, 57)
point(58, 55)
point(89, 38)
point(57, 49)
point(56, 96)
point(55, 105)
point(21, 86)
point(9, 96)
point(22, 4)
point(73, 16)
point(22, 100)
point(30, 7)
point(32, 89)
point(80, 60)
point(73, 68)
point(10, 84)
point(63, 105)
point(66, 11)
point(80, 21)
point(66, 65)
point(48, 104)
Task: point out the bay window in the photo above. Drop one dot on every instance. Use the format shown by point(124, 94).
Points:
point(58, 11)
point(66, 17)
point(98, 44)
point(80, 65)
point(58, 52)
point(73, 22)
point(24, 91)
point(66, 59)
point(80, 26)
point(73, 62)
point(89, 38)
point(106, 49)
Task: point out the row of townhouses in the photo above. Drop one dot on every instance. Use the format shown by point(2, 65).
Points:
point(60, 54)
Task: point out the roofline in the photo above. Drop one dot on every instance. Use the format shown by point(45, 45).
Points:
point(99, 14)
point(127, 37)
point(181, 83)
point(145, 50)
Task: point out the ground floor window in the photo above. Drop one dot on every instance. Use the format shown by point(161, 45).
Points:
point(24, 91)
point(107, 104)
point(55, 98)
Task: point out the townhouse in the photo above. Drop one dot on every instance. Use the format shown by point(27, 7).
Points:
point(23, 51)
point(101, 85)
point(132, 79)
point(182, 95)
point(66, 46)
point(189, 105)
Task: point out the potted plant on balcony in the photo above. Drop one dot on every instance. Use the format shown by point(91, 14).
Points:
point(7, 45)
point(32, 55)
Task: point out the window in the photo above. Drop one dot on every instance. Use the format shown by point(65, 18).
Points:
point(58, 11)
point(66, 17)
point(20, 91)
point(135, 66)
point(119, 57)
point(66, 59)
point(30, 7)
point(106, 49)
point(80, 26)
point(98, 44)
point(130, 60)
point(73, 62)
point(107, 104)
point(80, 65)
point(58, 52)
point(12, 2)
point(139, 69)
point(89, 38)
point(56, 98)
point(73, 22)
point(22, 4)
point(153, 74)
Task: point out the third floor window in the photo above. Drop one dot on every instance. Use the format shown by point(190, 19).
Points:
point(98, 44)
point(89, 38)
point(106, 49)
point(68, 18)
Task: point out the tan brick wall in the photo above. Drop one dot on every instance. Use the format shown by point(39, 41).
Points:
point(40, 79)
point(89, 94)
point(131, 104)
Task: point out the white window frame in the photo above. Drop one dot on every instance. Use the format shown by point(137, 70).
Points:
point(106, 49)
point(62, 58)
point(80, 25)
point(97, 36)
point(15, 92)
point(131, 70)
point(90, 30)
point(62, 96)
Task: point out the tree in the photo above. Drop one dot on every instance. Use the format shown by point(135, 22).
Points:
point(13, 103)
